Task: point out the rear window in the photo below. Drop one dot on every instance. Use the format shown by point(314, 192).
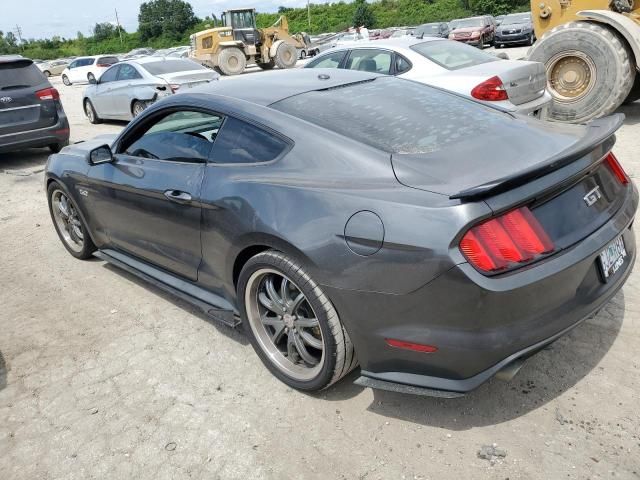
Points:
point(107, 60)
point(171, 66)
point(394, 115)
point(452, 55)
point(20, 74)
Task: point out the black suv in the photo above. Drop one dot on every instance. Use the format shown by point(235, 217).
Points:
point(31, 114)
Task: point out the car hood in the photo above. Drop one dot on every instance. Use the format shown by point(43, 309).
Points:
point(467, 30)
point(503, 148)
point(514, 26)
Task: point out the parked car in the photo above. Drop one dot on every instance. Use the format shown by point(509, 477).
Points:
point(180, 52)
point(128, 88)
point(87, 69)
point(138, 53)
point(345, 38)
point(515, 29)
point(402, 32)
point(53, 68)
point(440, 242)
point(438, 29)
point(513, 85)
point(478, 31)
point(31, 114)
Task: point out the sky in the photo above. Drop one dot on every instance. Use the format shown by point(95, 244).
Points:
point(46, 18)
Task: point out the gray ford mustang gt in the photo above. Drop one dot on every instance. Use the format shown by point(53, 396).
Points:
point(343, 218)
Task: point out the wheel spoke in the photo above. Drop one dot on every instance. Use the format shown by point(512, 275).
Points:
point(291, 348)
point(297, 302)
point(302, 349)
point(269, 305)
point(284, 292)
point(63, 206)
point(272, 321)
point(302, 322)
point(271, 291)
point(311, 340)
point(277, 335)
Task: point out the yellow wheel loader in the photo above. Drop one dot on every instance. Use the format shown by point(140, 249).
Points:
point(591, 50)
point(238, 42)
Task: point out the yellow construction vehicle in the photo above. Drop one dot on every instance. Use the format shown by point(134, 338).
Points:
point(238, 42)
point(591, 50)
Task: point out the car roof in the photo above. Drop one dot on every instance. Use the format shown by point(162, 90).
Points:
point(13, 58)
point(388, 43)
point(271, 87)
point(152, 59)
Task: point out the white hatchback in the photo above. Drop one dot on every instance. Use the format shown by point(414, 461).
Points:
point(513, 85)
point(87, 69)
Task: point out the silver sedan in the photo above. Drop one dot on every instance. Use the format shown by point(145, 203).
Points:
point(128, 88)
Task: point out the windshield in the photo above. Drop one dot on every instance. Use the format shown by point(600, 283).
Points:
point(171, 66)
point(468, 22)
point(393, 115)
point(511, 20)
point(452, 55)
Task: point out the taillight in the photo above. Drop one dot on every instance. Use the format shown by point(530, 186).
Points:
point(616, 168)
point(491, 90)
point(506, 242)
point(103, 65)
point(48, 94)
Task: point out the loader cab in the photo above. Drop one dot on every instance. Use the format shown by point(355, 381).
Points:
point(243, 23)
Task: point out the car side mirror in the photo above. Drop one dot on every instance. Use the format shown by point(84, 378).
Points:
point(92, 80)
point(100, 155)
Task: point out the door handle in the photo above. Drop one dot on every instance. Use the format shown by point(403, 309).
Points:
point(178, 196)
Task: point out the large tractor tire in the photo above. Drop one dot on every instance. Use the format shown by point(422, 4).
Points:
point(231, 61)
point(286, 56)
point(634, 94)
point(590, 71)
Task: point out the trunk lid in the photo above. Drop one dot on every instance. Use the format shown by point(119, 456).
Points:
point(20, 109)
point(188, 77)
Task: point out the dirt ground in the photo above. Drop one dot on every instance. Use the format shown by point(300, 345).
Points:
point(103, 376)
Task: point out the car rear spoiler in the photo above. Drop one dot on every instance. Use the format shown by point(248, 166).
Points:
point(597, 133)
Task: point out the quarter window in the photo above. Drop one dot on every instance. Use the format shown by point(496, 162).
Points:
point(185, 136)
point(402, 65)
point(331, 60)
point(241, 142)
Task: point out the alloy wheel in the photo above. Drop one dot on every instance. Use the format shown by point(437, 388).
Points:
point(88, 110)
point(285, 324)
point(67, 220)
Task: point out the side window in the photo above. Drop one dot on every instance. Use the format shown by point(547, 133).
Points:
point(207, 42)
point(402, 65)
point(331, 60)
point(128, 72)
point(240, 142)
point(73, 64)
point(110, 75)
point(85, 62)
point(370, 60)
point(185, 136)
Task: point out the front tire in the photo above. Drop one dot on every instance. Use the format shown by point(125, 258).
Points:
point(481, 42)
point(68, 224)
point(589, 70)
point(292, 325)
point(286, 56)
point(232, 61)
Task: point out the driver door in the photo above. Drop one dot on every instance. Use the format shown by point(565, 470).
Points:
point(147, 200)
point(103, 101)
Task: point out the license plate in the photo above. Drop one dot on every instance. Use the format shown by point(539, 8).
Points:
point(612, 258)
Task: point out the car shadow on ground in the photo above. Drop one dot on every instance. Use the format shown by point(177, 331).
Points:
point(632, 113)
point(544, 377)
point(232, 333)
point(31, 159)
point(3, 372)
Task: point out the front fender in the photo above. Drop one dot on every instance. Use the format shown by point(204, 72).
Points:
point(622, 24)
point(274, 48)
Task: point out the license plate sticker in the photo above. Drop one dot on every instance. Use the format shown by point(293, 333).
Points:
point(612, 258)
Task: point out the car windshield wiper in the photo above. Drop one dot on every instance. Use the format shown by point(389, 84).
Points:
point(11, 87)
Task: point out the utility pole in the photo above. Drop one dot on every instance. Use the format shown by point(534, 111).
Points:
point(118, 23)
point(19, 34)
point(309, 12)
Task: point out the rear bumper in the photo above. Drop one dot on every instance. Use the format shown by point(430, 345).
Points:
point(480, 324)
point(57, 134)
point(537, 108)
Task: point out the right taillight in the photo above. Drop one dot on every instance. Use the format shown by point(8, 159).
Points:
point(616, 168)
point(506, 242)
point(491, 90)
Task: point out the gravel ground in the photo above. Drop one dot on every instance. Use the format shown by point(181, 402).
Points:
point(103, 376)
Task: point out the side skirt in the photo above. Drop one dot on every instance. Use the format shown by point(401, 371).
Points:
point(211, 304)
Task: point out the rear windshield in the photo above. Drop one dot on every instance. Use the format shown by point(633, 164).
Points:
point(452, 55)
point(394, 115)
point(107, 60)
point(20, 74)
point(171, 66)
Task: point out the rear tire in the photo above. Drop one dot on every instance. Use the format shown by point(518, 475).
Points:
point(47, 73)
point(314, 321)
point(90, 112)
point(65, 80)
point(231, 61)
point(137, 108)
point(589, 70)
point(286, 56)
point(634, 94)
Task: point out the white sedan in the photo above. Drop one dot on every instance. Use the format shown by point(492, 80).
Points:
point(514, 85)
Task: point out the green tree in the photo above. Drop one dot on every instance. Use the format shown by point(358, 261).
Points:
point(165, 18)
point(363, 16)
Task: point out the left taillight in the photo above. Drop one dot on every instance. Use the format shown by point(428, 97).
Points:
point(616, 168)
point(506, 242)
point(491, 90)
point(48, 94)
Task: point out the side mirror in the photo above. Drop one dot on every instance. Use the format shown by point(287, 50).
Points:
point(92, 80)
point(101, 154)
